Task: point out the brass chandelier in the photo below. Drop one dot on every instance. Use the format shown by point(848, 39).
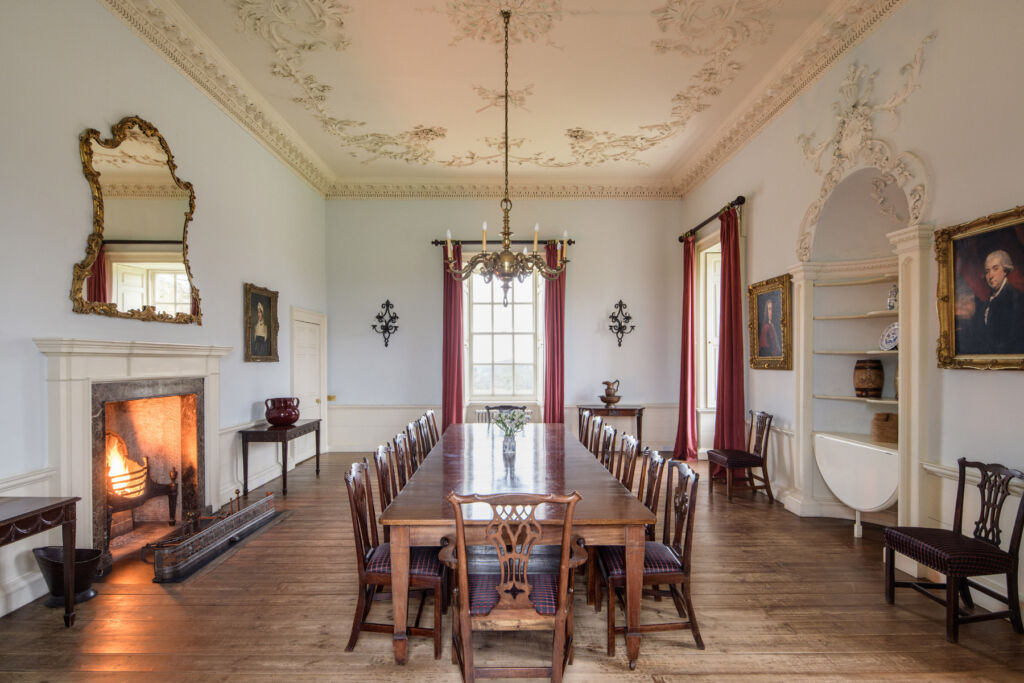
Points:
point(506, 264)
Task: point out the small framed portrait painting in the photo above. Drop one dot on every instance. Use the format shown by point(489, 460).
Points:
point(771, 324)
point(260, 324)
point(981, 293)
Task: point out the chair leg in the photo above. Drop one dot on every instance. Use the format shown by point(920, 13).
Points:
point(711, 480)
point(728, 484)
point(692, 616)
point(598, 588)
point(557, 655)
point(591, 578)
point(1014, 602)
point(438, 593)
point(456, 626)
point(571, 629)
point(890, 575)
point(611, 620)
point(952, 608)
point(965, 595)
point(468, 668)
point(357, 621)
point(767, 484)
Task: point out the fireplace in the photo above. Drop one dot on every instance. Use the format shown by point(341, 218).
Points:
point(147, 448)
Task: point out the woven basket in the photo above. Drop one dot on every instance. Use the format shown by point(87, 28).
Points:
point(885, 427)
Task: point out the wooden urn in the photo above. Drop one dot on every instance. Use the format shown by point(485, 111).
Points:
point(868, 376)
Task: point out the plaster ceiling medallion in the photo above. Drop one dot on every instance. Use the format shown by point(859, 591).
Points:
point(853, 145)
point(398, 97)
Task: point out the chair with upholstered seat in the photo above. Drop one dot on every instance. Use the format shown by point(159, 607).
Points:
point(666, 563)
point(404, 462)
point(606, 450)
point(373, 561)
point(623, 461)
point(959, 557)
point(494, 411)
point(755, 457)
point(386, 484)
point(593, 442)
point(505, 589)
point(583, 422)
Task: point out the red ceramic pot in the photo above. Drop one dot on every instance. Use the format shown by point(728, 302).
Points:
point(282, 411)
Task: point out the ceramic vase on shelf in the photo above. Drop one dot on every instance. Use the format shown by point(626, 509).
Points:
point(893, 302)
point(868, 376)
point(282, 411)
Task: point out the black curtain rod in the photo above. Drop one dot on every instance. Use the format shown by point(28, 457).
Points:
point(142, 241)
point(739, 201)
point(438, 243)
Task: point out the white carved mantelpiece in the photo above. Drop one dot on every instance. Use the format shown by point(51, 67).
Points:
point(74, 365)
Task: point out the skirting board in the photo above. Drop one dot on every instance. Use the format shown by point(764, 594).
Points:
point(25, 583)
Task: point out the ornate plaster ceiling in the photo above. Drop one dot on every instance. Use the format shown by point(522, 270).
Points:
point(381, 98)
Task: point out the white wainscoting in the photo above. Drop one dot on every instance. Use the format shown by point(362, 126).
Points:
point(20, 579)
point(361, 428)
point(943, 481)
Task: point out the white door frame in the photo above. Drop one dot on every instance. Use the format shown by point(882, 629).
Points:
point(316, 318)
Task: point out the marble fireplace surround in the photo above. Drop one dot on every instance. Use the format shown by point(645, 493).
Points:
point(73, 366)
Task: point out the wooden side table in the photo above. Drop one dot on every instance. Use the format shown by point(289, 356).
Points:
point(23, 516)
point(279, 434)
point(618, 411)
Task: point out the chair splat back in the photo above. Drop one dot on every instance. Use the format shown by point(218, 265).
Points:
point(426, 441)
point(415, 445)
point(994, 488)
point(606, 452)
point(364, 520)
point(593, 443)
point(584, 426)
point(678, 532)
point(432, 420)
point(513, 531)
point(403, 469)
point(385, 475)
point(655, 465)
point(760, 427)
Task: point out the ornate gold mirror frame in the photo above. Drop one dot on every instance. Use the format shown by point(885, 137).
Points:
point(126, 128)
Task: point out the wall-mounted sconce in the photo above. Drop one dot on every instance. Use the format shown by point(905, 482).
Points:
point(386, 319)
point(620, 326)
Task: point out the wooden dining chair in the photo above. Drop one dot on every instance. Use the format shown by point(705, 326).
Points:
point(665, 564)
point(403, 462)
point(386, 489)
point(593, 443)
point(415, 446)
point(373, 562)
point(583, 420)
point(503, 591)
point(754, 457)
point(959, 557)
point(426, 440)
point(494, 411)
point(606, 451)
point(624, 462)
point(435, 435)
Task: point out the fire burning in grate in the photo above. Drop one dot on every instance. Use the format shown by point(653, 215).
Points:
point(122, 473)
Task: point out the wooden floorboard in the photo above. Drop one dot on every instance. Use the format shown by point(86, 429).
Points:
point(778, 598)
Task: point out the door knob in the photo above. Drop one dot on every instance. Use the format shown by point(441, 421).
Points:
point(318, 401)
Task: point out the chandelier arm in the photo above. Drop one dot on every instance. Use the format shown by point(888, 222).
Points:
point(464, 272)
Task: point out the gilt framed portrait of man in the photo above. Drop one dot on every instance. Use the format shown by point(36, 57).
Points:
point(981, 292)
point(260, 324)
point(771, 324)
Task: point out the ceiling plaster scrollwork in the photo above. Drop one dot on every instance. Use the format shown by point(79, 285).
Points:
point(479, 20)
point(853, 145)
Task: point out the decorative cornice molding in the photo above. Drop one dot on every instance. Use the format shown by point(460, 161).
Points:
point(488, 191)
point(178, 44)
point(857, 19)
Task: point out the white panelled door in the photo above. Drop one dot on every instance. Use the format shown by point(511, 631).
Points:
point(308, 357)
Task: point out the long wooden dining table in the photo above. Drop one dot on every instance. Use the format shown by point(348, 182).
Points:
point(549, 459)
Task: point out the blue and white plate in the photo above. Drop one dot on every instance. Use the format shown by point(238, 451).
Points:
point(890, 337)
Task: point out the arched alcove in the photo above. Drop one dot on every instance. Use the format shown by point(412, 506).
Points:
point(856, 217)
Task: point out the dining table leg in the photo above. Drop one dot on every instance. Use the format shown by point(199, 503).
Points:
point(400, 590)
point(635, 544)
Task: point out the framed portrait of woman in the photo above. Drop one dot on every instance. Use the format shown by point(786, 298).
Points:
point(981, 292)
point(771, 324)
point(260, 324)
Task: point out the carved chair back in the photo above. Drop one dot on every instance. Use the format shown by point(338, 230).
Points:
point(625, 467)
point(994, 487)
point(364, 520)
point(757, 436)
point(435, 436)
point(494, 411)
point(651, 490)
point(593, 443)
point(415, 456)
point(679, 511)
point(606, 451)
point(385, 475)
point(514, 531)
point(423, 432)
point(584, 425)
point(401, 456)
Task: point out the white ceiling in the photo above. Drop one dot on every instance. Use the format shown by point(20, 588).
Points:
point(404, 97)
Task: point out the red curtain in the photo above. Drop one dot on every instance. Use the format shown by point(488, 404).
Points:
point(451, 345)
point(686, 432)
point(96, 287)
point(729, 411)
point(554, 342)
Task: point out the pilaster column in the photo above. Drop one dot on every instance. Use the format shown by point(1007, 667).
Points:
point(804, 275)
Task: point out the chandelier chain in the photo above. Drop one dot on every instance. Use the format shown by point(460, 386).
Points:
point(506, 14)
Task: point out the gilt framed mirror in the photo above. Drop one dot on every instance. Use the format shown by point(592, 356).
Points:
point(136, 259)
